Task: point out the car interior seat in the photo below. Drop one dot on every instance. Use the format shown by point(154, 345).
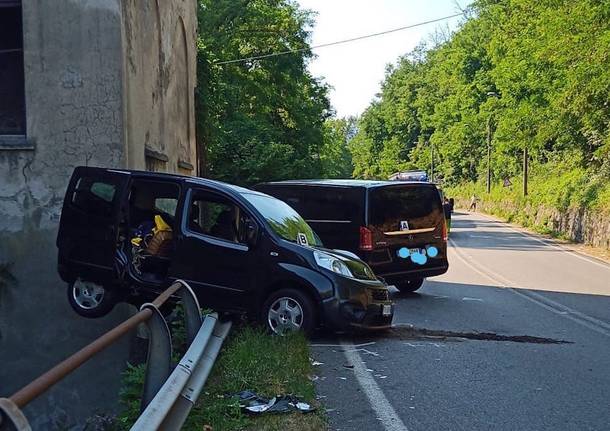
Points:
point(224, 227)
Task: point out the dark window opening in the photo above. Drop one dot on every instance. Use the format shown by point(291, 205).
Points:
point(216, 216)
point(12, 85)
point(150, 198)
point(94, 197)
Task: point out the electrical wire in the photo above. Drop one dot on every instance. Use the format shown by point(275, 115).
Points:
point(353, 39)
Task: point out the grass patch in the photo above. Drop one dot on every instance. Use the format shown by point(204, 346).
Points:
point(250, 359)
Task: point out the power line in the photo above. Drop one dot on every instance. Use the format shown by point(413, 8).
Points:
point(353, 39)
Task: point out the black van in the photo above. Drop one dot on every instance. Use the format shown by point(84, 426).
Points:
point(126, 235)
point(397, 227)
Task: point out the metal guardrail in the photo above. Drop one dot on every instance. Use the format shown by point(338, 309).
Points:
point(167, 397)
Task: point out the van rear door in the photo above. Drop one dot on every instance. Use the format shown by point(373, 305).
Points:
point(89, 226)
point(405, 215)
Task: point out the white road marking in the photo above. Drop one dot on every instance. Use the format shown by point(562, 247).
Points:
point(466, 298)
point(385, 412)
point(549, 243)
point(546, 303)
point(341, 345)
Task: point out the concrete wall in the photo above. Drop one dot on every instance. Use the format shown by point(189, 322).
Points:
point(91, 99)
point(160, 61)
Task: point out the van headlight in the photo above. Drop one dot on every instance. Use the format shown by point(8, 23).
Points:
point(332, 263)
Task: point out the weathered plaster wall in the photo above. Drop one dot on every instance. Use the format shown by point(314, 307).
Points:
point(160, 60)
point(104, 80)
point(73, 71)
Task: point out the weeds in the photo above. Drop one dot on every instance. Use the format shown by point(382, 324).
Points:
point(250, 359)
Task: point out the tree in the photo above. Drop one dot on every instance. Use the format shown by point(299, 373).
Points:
point(258, 120)
point(547, 60)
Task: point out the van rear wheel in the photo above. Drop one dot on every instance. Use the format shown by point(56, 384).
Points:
point(289, 310)
point(91, 300)
point(407, 286)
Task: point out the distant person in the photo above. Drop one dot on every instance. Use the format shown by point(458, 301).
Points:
point(447, 211)
point(473, 203)
point(452, 203)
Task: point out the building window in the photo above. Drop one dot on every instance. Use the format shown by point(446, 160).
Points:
point(12, 89)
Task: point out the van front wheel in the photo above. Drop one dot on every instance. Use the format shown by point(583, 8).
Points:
point(289, 310)
point(407, 286)
point(90, 299)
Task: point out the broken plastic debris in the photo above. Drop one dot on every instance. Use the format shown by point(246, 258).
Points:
point(315, 363)
point(257, 406)
point(254, 403)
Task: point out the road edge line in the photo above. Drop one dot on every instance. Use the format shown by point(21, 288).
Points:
point(546, 303)
point(377, 399)
point(548, 241)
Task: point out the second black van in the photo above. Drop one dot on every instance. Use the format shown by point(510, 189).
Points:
point(398, 228)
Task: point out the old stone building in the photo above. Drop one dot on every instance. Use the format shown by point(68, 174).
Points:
point(82, 82)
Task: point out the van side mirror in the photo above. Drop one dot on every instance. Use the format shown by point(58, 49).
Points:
point(251, 233)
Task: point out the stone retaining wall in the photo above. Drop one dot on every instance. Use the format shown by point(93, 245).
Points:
point(577, 224)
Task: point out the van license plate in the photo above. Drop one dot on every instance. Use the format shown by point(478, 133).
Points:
point(414, 251)
point(386, 310)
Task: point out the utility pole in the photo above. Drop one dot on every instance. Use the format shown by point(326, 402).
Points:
point(431, 161)
point(489, 154)
point(525, 169)
point(497, 96)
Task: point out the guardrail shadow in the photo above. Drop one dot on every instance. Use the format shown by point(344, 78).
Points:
point(168, 395)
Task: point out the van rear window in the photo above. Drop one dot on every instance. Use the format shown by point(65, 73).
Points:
point(404, 207)
point(94, 196)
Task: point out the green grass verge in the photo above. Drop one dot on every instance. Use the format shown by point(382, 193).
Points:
point(250, 359)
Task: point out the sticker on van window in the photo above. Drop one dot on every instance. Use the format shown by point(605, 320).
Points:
point(302, 239)
point(404, 225)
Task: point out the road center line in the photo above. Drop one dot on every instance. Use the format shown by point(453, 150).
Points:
point(377, 399)
point(546, 303)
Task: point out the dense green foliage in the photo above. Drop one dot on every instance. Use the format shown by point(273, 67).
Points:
point(549, 64)
point(335, 155)
point(259, 119)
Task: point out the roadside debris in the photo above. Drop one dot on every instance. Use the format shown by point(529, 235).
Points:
point(315, 363)
point(253, 403)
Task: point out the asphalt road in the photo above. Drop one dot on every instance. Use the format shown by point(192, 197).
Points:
point(543, 362)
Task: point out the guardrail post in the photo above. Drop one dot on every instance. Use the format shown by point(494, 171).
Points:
point(192, 311)
point(11, 417)
point(159, 357)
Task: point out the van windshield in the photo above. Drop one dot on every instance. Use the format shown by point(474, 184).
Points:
point(284, 221)
point(405, 207)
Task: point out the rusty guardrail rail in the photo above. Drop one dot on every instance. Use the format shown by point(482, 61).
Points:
point(168, 396)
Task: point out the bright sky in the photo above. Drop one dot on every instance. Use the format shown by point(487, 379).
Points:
point(355, 70)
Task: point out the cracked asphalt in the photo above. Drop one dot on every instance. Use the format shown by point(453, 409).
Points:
point(435, 371)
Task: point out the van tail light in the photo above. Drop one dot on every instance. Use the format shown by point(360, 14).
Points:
point(366, 239)
point(444, 233)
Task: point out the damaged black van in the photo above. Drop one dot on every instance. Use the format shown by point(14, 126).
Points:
point(126, 235)
point(396, 227)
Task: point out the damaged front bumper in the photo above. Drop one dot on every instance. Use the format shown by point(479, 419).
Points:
point(358, 304)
